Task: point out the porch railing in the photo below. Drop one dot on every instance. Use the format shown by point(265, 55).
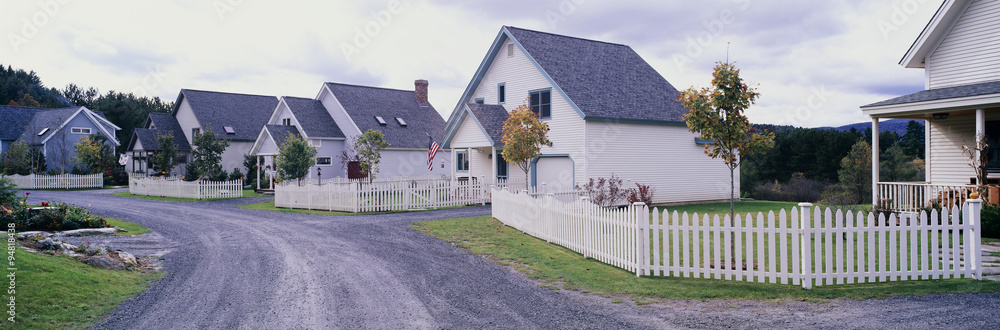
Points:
point(916, 196)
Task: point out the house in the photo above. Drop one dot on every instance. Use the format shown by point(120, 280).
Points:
point(340, 112)
point(608, 110)
point(144, 143)
point(958, 51)
point(54, 131)
point(236, 118)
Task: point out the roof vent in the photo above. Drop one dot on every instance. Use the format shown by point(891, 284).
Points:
point(380, 120)
point(44, 130)
point(229, 130)
point(480, 100)
point(401, 121)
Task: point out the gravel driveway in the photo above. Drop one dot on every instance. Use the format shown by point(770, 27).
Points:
point(247, 269)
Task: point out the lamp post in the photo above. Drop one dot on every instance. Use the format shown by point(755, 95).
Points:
point(319, 175)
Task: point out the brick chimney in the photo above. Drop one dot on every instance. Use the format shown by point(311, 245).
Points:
point(420, 89)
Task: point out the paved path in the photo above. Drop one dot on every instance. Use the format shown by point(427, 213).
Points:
point(246, 269)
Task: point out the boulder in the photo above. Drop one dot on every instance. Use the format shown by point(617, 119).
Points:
point(127, 258)
point(48, 244)
point(104, 261)
point(88, 232)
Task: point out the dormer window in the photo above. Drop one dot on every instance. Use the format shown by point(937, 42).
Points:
point(44, 130)
point(380, 120)
point(230, 130)
point(80, 130)
point(286, 121)
point(401, 121)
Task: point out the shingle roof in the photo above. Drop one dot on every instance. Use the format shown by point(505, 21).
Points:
point(942, 94)
point(280, 132)
point(313, 117)
point(46, 118)
point(605, 80)
point(146, 137)
point(363, 103)
point(164, 123)
point(13, 121)
point(245, 113)
point(491, 116)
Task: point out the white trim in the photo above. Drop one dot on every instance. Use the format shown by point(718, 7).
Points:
point(961, 103)
point(73, 130)
point(324, 165)
point(326, 88)
point(946, 16)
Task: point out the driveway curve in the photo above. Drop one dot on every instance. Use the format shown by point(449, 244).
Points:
point(247, 269)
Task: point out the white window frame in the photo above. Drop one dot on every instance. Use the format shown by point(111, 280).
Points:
point(286, 121)
point(80, 130)
point(462, 160)
point(324, 165)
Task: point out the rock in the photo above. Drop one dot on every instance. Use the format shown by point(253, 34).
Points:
point(104, 261)
point(33, 233)
point(66, 247)
point(88, 232)
point(127, 258)
point(96, 250)
point(48, 244)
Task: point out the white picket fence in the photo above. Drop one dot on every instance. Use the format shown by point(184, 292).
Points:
point(63, 181)
point(806, 246)
point(381, 196)
point(174, 187)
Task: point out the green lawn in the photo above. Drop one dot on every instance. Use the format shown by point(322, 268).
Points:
point(247, 193)
point(131, 227)
point(557, 266)
point(268, 205)
point(57, 292)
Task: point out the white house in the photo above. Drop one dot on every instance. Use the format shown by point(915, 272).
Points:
point(959, 51)
point(608, 110)
point(340, 112)
point(144, 144)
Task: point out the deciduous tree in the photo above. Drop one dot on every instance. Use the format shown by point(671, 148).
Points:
point(206, 157)
point(523, 137)
point(165, 159)
point(295, 158)
point(369, 146)
point(716, 114)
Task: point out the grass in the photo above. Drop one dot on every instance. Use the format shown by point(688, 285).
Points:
point(58, 292)
point(268, 205)
point(247, 193)
point(130, 227)
point(552, 264)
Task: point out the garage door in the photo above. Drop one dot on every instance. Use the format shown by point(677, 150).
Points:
point(555, 172)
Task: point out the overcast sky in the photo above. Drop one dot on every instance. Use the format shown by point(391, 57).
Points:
point(814, 62)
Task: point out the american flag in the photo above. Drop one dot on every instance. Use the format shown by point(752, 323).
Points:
point(432, 150)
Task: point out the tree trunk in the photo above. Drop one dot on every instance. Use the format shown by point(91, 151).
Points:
point(732, 215)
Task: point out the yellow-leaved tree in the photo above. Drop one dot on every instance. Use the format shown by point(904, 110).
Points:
point(523, 137)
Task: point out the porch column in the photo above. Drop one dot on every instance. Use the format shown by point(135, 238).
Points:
point(493, 151)
point(875, 194)
point(256, 160)
point(927, 150)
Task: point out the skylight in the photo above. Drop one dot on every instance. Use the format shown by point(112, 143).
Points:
point(229, 130)
point(380, 120)
point(401, 121)
point(44, 130)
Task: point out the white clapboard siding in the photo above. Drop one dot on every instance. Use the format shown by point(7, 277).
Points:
point(62, 181)
point(808, 247)
point(949, 165)
point(968, 54)
point(174, 187)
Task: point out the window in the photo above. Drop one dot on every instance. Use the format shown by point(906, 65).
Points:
point(80, 130)
point(286, 121)
point(195, 132)
point(541, 103)
point(501, 167)
point(462, 161)
point(510, 50)
point(401, 121)
point(501, 92)
point(324, 161)
point(480, 100)
point(230, 130)
point(380, 120)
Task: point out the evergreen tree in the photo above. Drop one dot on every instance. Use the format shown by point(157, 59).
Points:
point(913, 140)
point(166, 158)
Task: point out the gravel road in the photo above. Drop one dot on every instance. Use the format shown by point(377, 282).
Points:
point(247, 269)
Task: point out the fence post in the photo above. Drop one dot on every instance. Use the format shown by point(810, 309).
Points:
point(973, 213)
point(641, 214)
point(805, 246)
point(586, 228)
point(548, 217)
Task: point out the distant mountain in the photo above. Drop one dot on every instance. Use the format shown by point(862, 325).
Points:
point(895, 125)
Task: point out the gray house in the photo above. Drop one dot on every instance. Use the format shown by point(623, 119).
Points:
point(144, 144)
point(54, 131)
point(341, 112)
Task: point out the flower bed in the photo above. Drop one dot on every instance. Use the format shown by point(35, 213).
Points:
point(51, 216)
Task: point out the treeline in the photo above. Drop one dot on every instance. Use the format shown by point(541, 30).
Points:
point(805, 161)
point(125, 110)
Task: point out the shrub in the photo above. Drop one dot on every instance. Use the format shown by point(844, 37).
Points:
point(798, 189)
point(605, 192)
point(8, 191)
point(219, 175)
point(641, 193)
point(60, 217)
point(236, 175)
point(190, 174)
point(990, 221)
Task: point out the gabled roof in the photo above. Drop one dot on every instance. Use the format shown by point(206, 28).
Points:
point(13, 121)
point(490, 118)
point(364, 103)
point(245, 113)
point(942, 94)
point(164, 123)
point(279, 133)
point(46, 118)
point(313, 117)
point(936, 30)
